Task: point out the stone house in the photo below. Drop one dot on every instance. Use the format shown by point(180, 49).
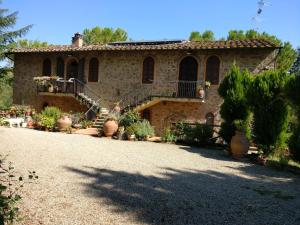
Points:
point(164, 80)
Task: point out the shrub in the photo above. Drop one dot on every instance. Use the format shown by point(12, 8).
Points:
point(10, 187)
point(53, 112)
point(233, 90)
point(46, 121)
point(199, 134)
point(86, 123)
point(128, 118)
point(141, 129)
point(270, 110)
point(293, 92)
point(169, 136)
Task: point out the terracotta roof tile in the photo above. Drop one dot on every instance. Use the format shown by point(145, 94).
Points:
point(184, 45)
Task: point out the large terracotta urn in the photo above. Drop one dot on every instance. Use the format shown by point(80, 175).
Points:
point(110, 127)
point(64, 123)
point(239, 145)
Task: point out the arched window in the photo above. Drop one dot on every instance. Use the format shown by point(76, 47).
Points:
point(60, 67)
point(210, 118)
point(148, 70)
point(212, 69)
point(93, 70)
point(46, 67)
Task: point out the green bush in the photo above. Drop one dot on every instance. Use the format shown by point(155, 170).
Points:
point(293, 92)
point(86, 123)
point(141, 129)
point(47, 122)
point(53, 112)
point(294, 144)
point(169, 136)
point(129, 118)
point(270, 110)
point(233, 90)
point(10, 188)
point(199, 134)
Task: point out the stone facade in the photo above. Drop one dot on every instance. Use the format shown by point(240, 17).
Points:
point(120, 75)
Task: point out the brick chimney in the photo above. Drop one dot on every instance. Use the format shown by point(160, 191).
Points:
point(77, 40)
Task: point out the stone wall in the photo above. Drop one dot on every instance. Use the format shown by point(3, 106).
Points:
point(120, 75)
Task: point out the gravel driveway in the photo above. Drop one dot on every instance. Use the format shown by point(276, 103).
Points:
point(87, 180)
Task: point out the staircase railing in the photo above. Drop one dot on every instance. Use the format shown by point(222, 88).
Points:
point(171, 89)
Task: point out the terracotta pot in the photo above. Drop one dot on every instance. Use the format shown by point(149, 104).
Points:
point(201, 93)
point(239, 145)
point(30, 124)
point(110, 127)
point(50, 89)
point(131, 137)
point(64, 123)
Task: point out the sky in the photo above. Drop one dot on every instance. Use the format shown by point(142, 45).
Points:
point(55, 21)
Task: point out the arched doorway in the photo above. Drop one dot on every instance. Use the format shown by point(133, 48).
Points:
point(188, 70)
point(72, 69)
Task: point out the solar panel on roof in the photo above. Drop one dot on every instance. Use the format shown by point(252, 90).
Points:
point(162, 42)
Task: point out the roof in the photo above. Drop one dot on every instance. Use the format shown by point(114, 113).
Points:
point(155, 45)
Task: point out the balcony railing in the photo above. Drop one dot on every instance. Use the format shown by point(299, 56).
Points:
point(170, 89)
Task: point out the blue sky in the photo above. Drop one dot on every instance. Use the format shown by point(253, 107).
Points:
point(55, 21)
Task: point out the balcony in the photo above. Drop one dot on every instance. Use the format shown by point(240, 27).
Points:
point(139, 98)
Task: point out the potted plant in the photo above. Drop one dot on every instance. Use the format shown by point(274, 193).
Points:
point(130, 132)
point(201, 92)
point(64, 122)
point(207, 84)
point(239, 143)
point(110, 126)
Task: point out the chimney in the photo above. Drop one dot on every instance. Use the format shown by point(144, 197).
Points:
point(77, 40)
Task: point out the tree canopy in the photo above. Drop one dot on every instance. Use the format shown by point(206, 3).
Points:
point(207, 35)
point(98, 35)
point(8, 36)
point(285, 58)
point(25, 43)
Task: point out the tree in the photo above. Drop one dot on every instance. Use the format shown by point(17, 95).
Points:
point(98, 35)
point(6, 78)
point(25, 43)
point(270, 109)
point(233, 90)
point(296, 66)
point(7, 36)
point(286, 55)
point(293, 94)
point(207, 35)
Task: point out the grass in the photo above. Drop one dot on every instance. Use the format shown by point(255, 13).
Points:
point(284, 161)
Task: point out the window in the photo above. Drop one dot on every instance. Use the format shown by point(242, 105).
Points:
point(212, 69)
point(60, 67)
point(148, 70)
point(93, 70)
point(210, 118)
point(47, 67)
point(146, 114)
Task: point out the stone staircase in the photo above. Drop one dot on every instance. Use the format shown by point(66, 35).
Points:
point(99, 121)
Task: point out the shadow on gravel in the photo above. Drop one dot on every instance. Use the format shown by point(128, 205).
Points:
point(218, 154)
point(180, 197)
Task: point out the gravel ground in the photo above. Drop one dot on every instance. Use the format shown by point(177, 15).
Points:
point(87, 180)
